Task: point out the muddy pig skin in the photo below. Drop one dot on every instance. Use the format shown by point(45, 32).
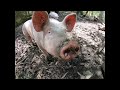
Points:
point(51, 36)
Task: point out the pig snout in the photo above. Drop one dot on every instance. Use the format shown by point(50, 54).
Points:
point(70, 51)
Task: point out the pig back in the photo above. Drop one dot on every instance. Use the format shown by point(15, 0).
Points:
point(28, 27)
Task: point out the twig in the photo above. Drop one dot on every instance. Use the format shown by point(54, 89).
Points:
point(81, 76)
point(79, 73)
point(85, 14)
point(64, 75)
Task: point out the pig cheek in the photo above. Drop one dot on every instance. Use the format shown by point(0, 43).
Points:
point(52, 51)
point(52, 42)
point(50, 47)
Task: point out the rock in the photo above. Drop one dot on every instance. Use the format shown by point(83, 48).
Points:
point(53, 15)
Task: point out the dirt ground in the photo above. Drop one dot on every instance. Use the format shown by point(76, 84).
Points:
point(30, 62)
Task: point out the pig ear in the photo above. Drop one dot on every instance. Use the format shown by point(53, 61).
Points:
point(39, 19)
point(69, 21)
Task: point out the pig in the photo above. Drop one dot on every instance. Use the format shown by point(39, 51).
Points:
point(50, 35)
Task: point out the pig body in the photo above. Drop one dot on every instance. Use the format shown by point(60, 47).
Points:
point(50, 35)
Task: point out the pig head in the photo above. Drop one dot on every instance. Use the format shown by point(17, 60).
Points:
point(51, 36)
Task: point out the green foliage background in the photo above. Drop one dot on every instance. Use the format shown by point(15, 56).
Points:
point(22, 16)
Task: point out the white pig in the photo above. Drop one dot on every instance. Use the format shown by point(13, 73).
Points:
point(50, 34)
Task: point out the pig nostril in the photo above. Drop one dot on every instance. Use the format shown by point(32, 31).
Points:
point(67, 51)
point(76, 49)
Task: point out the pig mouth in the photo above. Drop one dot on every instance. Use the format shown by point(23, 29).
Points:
point(69, 51)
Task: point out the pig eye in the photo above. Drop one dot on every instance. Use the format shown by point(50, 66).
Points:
point(49, 32)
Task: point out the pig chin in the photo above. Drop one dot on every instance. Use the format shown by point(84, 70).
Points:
point(69, 51)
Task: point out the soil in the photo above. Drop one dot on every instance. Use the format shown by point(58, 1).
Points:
point(30, 62)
